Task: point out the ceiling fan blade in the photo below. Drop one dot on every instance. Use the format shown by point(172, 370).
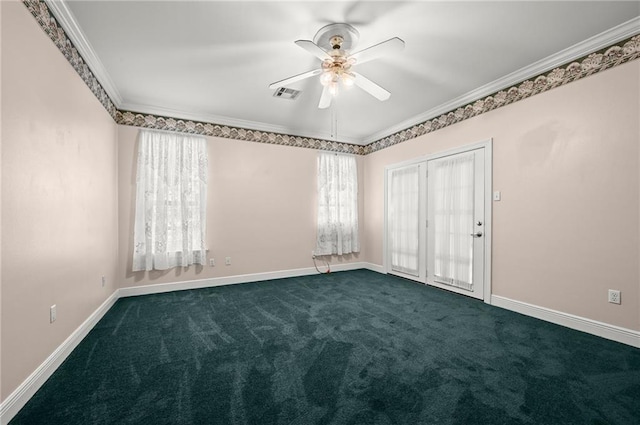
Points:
point(313, 48)
point(386, 47)
point(370, 87)
point(325, 99)
point(295, 78)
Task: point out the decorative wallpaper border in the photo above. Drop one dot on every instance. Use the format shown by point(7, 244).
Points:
point(619, 53)
point(43, 15)
point(56, 33)
point(209, 129)
point(616, 54)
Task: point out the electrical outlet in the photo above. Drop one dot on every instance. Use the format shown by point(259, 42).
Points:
point(212, 262)
point(104, 280)
point(614, 296)
point(313, 254)
point(53, 313)
point(227, 261)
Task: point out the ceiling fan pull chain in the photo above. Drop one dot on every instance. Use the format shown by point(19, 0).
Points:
point(334, 122)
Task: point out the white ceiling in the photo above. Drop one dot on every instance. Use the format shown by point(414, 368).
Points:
point(213, 60)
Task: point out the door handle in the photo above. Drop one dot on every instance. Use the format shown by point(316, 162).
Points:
point(477, 235)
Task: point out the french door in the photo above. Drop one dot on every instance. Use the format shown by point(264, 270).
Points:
point(406, 215)
point(456, 223)
point(437, 221)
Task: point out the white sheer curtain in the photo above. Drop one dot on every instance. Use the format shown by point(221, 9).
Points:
point(453, 207)
point(403, 220)
point(171, 201)
point(337, 204)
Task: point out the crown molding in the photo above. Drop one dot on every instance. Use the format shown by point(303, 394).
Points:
point(563, 57)
point(562, 68)
point(67, 20)
point(234, 122)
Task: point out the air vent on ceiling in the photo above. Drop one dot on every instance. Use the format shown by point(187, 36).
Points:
point(286, 93)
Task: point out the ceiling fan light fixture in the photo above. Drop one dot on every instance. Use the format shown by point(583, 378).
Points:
point(348, 79)
point(333, 88)
point(326, 77)
point(332, 78)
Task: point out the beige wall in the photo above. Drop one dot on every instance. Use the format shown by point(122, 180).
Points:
point(567, 229)
point(261, 210)
point(566, 161)
point(59, 203)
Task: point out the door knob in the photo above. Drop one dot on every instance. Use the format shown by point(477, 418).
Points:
point(477, 235)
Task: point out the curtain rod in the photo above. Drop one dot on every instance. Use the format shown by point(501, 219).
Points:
point(336, 153)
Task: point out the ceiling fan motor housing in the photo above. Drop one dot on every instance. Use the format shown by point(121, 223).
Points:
point(343, 35)
point(336, 42)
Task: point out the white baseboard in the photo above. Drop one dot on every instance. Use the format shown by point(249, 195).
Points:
point(21, 395)
point(604, 330)
point(231, 280)
point(374, 268)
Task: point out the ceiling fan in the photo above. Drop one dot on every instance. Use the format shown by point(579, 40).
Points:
point(332, 45)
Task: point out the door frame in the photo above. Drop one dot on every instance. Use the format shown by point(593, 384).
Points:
point(487, 144)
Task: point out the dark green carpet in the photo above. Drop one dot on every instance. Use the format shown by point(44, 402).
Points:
point(346, 348)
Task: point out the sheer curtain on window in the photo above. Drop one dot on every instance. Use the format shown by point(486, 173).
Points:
point(337, 204)
point(403, 221)
point(453, 187)
point(171, 201)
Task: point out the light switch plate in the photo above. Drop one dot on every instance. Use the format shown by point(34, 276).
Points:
point(497, 195)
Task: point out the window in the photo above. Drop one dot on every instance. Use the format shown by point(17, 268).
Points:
point(337, 205)
point(171, 201)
